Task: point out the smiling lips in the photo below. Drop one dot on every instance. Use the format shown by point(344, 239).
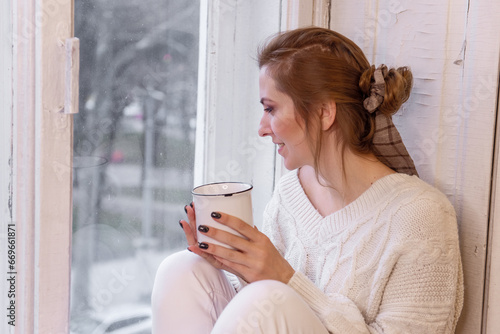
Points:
point(280, 146)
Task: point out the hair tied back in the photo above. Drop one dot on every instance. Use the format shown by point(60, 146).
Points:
point(377, 89)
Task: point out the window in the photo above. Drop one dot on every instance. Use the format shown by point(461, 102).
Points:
point(134, 138)
point(38, 171)
point(134, 142)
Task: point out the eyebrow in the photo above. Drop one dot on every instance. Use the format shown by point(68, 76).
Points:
point(262, 100)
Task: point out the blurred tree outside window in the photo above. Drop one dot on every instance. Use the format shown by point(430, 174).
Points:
point(133, 149)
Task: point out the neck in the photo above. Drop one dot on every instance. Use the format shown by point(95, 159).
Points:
point(351, 177)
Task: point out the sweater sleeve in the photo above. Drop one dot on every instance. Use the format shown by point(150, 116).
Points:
point(338, 313)
point(422, 293)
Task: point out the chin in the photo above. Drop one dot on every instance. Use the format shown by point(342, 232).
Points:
point(291, 165)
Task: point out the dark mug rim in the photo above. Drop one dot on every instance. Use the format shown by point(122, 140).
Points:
point(250, 187)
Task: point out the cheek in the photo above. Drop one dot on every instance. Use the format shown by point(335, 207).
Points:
point(282, 130)
point(291, 131)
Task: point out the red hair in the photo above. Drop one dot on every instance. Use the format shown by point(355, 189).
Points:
point(315, 66)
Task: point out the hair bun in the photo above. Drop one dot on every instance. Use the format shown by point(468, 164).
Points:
point(398, 84)
point(366, 79)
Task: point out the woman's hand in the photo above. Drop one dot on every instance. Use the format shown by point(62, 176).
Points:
point(190, 232)
point(253, 259)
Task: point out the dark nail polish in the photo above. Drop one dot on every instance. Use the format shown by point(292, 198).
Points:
point(189, 250)
point(203, 228)
point(191, 204)
point(203, 245)
point(180, 223)
point(185, 209)
point(215, 215)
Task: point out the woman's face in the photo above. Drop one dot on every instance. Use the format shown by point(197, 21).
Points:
point(279, 122)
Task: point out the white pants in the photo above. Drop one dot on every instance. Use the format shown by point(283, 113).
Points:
point(190, 296)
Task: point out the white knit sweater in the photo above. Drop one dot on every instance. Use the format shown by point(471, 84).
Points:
point(389, 262)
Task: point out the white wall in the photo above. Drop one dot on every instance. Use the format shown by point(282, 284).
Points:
point(492, 298)
point(448, 124)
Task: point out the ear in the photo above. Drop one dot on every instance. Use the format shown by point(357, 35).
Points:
point(328, 114)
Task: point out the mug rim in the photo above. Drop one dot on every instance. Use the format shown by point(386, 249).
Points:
point(249, 187)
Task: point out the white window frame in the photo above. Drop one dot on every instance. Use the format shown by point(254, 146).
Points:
point(39, 170)
point(228, 99)
point(6, 170)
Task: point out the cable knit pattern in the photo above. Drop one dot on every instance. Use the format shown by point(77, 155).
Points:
point(389, 262)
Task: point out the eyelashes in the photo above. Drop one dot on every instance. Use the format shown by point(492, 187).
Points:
point(268, 109)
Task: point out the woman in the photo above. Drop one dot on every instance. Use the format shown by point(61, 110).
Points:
point(352, 241)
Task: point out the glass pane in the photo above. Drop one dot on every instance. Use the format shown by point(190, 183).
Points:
point(133, 153)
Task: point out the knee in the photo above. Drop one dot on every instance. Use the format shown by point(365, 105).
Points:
point(255, 306)
point(178, 266)
point(268, 292)
point(264, 299)
point(176, 271)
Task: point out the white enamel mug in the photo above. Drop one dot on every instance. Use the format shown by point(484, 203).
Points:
point(232, 198)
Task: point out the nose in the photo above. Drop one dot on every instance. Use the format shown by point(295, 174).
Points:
point(264, 126)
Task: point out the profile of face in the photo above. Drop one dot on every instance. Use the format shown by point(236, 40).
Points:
point(280, 122)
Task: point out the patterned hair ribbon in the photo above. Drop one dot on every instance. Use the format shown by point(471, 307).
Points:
point(387, 142)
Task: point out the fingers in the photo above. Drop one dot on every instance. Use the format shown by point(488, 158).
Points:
point(231, 255)
point(215, 261)
point(234, 268)
point(189, 209)
point(236, 224)
point(231, 260)
point(237, 242)
point(188, 231)
point(228, 256)
point(189, 226)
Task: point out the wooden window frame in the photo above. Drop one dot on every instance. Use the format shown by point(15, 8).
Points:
point(42, 156)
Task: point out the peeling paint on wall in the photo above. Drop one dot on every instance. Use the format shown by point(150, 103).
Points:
point(448, 123)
